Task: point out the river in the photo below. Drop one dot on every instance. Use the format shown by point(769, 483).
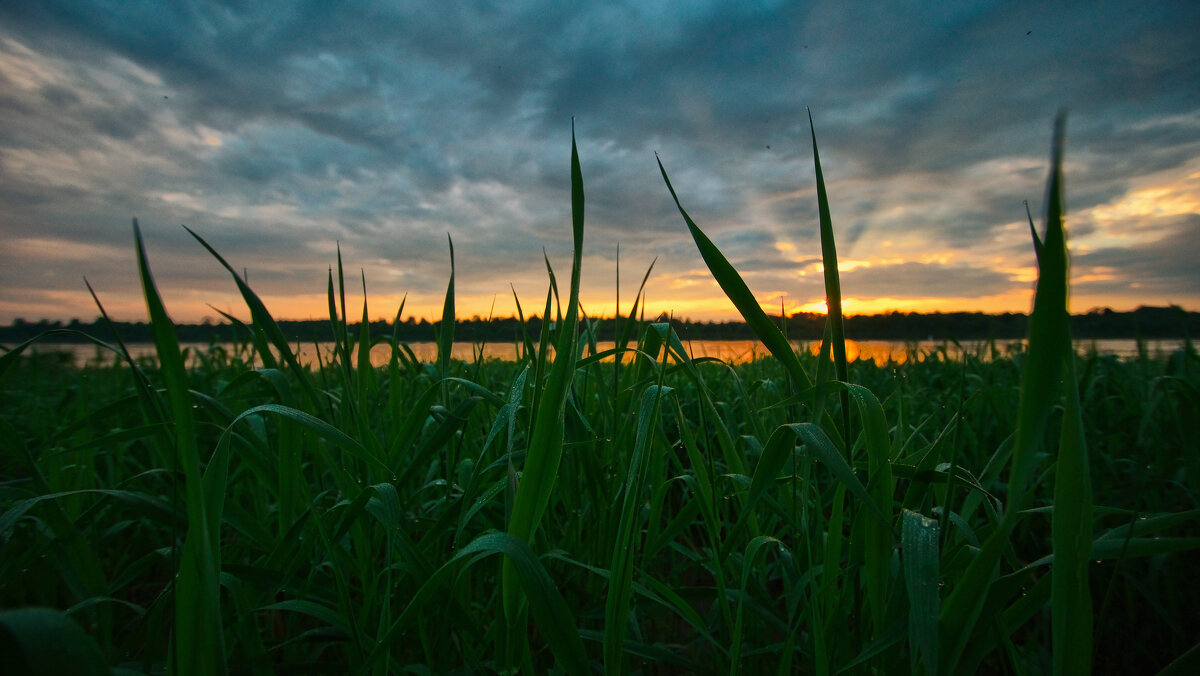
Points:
point(733, 351)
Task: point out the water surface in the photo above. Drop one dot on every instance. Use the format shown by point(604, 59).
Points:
point(733, 351)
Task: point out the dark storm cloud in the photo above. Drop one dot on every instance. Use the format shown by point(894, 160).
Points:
point(282, 128)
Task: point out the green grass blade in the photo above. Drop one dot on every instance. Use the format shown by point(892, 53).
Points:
point(553, 289)
point(366, 389)
point(550, 611)
point(396, 323)
point(736, 290)
point(146, 506)
point(314, 610)
point(1041, 388)
point(46, 641)
point(1147, 524)
point(323, 430)
point(1187, 663)
point(833, 285)
point(445, 334)
point(546, 437)
point(779, 449)
point(1049, 338)
point(919, 547)
point(1071, 524)
point(341, 278)
point(825, 612)
point(337, 318)
point(879, 535)
point(263, 320)
point(1037, 240)
point(616, 609)
point(335, 323)
point(366, 372)
point(630, 325)
point(755, 546)
point(529, 352)
point(198, 632)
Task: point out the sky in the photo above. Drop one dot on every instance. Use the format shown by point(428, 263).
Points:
point(283, 131)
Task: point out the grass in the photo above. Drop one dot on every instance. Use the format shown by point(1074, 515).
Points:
point(234, 510)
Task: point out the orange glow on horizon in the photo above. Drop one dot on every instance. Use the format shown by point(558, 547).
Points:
point(192, 305)
point(718, 309)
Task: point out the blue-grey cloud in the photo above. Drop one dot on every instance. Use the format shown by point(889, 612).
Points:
point(1166, 267)
point(280, 130)
point(923, 280)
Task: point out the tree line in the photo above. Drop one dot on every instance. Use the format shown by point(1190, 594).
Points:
point(1144, 322)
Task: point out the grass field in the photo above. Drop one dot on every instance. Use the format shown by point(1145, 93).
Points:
point(237, 511)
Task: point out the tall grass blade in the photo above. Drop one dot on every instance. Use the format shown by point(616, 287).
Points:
point(1037, 239)
point(263, 320)
point(755, 546)
point(833, 285)
point(630, 325)
point(365, 372)
point(1071, 524)
point(919, 546)
point(198, 633)
point(445, 337)
point(1041, 388)
point(616, 609)
point(527, 351)
point(879, 535)
point(337, 316)
point(736, 290)
point(546, 437)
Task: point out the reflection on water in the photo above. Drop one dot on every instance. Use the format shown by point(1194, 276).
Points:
point(732, 351)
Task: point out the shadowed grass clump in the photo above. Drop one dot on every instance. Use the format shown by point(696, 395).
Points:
point(238, 510)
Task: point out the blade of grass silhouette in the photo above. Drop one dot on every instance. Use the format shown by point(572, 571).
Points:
point(445, 333)
point(198, 645)
point(262, 318)
point(1041, 387)
point(616, 610)
point(365, 370)
point(919, 556)
point(546, 436)
point(833, 285)
point(1037, 240)
point(1071, 522)
point(631, 324)
point(737, 292)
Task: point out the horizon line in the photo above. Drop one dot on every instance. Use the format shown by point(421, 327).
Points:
point(21, 321)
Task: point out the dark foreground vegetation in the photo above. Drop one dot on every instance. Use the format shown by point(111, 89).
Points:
point(632, 510)
point(324, 555)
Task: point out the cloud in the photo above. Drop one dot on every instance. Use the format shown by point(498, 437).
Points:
point(922, 280)
point(280, 131)
point(1160, 269)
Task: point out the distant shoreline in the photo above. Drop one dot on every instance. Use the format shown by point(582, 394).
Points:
point(1145, 322)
